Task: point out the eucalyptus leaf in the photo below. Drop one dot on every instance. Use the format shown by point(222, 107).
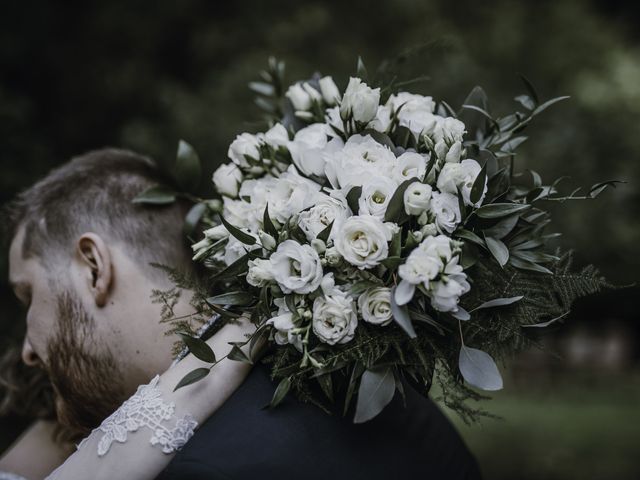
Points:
point(547, 323)
point(231, 298)
point(157, 195)
point(238, 234)
point(497, 210)
point(499, 302)
point(377, 387)
point(198, 347)
point(498, 249)
point(401, 315)
point(479, 369)
point(192, 377)
point(188, 168)
point(281, 392)
point(548, 103)
point(461, 314)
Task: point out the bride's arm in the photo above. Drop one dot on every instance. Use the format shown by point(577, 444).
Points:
point(36, 453)
point(137, 458)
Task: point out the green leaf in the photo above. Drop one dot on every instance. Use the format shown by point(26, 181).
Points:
point(381, 138)
point(401, 315)
point(238, 267)
point(377, 387)
point(530, 89)
point(198, 347)
point(396, 247)
point(325, 232)
point(497, 210)
point(268, 225)
point(193, 218)
point(484, 113)
point(598, 188)
point(352, 199)
point(192, 377)
point(392, 262)
point(239, 234)
point(356, 373)
point(526, 101)
point(238, 355)
point(548, 103)
point(157, 195)
point(395, 209)
point(231, 298)
point(326, 384)
point(470, 236)
point(527, 265)
point(281, 392)
point(512, 144)
point(479, 369)
point(498, 249)
point(498, 302)
point(478, 185)
point(502, 228)
point(188, 169)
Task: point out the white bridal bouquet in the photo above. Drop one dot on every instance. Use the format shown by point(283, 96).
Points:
point(376, 237)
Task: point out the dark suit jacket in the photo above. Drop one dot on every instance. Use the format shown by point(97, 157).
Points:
point(295, 440)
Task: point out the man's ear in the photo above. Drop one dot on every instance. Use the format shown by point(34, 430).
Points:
point(94, 255)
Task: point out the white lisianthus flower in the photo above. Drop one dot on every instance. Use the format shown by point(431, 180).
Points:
point(446, 210)
point(359, 101)
point(417, 198)
point(216, 233)
point(300, 98)
point(283, 325)
point(310, 147)
point(277, 136)
point(332, 118)
point(376, 195)
point(447, 128)
point(234, 249)
point(445, 294)
point(414, 111)
point(454, 152)
point(361, 160)
point(375, 306)
point(362, 240)
point(334, 315)
point(329, 90)
point(410, 165)
point(326, 210)
point(296, 267)
point(259, 273)
point(244, 144)
point(239, 213)
point(227, 179)
point(382, 120)
point(460, 175)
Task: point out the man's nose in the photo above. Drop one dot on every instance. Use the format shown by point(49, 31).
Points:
point(29, 356)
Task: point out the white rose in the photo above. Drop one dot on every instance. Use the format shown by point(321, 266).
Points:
point(362, 241)
point(326, 210)
point(460, 175)
point(438, 245)
point(417, 198)
point(447, 128)
point(359, 101)
point(411, 102)
point(296, 267)
point(382, 120)
point(360, 160)
point(310, 147)
point(259, 273)
point(227, 179)
point(299, 97)
point(410, 165)
point(329, 90)
point(244, 144)
point(334, 318)
point(376, 195)
point(446, 210)
point(375, 306)
point(277, 136)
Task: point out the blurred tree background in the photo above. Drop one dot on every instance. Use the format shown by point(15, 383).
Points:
point(81, 75)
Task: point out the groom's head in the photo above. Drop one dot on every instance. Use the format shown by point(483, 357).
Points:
point(80, 254)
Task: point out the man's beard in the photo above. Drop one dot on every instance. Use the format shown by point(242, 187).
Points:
point(86, 377)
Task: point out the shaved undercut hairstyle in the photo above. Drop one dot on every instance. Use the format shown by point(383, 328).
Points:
point(94, 193)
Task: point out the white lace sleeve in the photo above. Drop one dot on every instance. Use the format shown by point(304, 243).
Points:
point(146, 409)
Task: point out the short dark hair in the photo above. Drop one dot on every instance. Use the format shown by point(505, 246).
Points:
point(94, 192)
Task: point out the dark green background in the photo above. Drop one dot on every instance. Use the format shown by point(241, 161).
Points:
point(142, 75)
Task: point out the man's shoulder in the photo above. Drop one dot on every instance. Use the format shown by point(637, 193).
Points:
point(243, 439)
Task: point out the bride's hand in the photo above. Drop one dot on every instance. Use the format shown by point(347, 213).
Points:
point(136, 458)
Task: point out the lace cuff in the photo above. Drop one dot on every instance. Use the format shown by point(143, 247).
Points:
point(146, 409)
